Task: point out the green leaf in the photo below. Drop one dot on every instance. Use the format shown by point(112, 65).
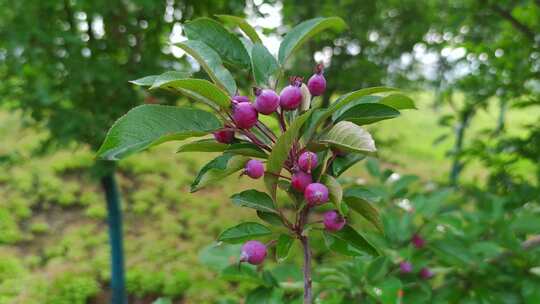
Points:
point(168, 77)
point(366, 210)
point(391, 291)
point(243, 25)
point(211, 63)
point(269, 280)
point(210, 145)
point(219, 257)
point(149, 125)
point(338, 245)
point(217, 169)
point(368, 113)
point(239, 273)
point(280, 153)
point(283, 247)
point(248, 45)
point(271, 218)
point(369, 99)
point(203, 145)
point(362, 192)
point(226, 44)
point(200, 90)
point(263, 63)
point(372, 166)
point(525, 223)
point(349, 242)
point(453, 251)
point(342, 163)
point(254, 199)
point(165, 77)
point(243, 232)
point(377, 269)
point(246, 149)
point(304, 31)
point(349, 137)
point(398, 102)
point(342, 102)
point(335, 192)
point(145, 81)
point(530, 291)
point(264, 295)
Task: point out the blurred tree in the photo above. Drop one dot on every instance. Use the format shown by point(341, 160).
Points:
point(380, 33)
point(499, 61)
point(67, 64)
point(487, 50)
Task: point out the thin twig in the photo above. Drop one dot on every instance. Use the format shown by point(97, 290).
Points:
point(254, 139)
point(278, 175)
point(258, 126)
point(281, 117)
point(308, 296)
point(268, 129)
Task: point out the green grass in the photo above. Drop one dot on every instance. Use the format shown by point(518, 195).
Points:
point(410, 138)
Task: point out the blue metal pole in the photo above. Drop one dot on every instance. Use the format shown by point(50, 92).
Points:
point(114, 215)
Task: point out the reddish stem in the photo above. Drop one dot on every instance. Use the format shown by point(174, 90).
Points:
point(258, 126)
point(282, 124)
point(308, 294)
point(279, 175)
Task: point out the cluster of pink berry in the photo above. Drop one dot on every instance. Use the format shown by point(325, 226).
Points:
point(254, 252)
point(406, 267)
point(245, 115)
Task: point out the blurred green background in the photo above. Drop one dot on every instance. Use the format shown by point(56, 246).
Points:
point(463, 170)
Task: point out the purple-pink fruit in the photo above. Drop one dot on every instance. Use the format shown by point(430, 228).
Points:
point(317, 83)
point(224, 136)
point(290, 97)
point(405, 267)
point(244, 114)
point(254, 169)
point(300, 180)
point(425, 273)
point(333, 221)
point(307, 161)
point(316, 194)
point(240, 98)
point(253, 252)
point(418, 241)
point(267, 101)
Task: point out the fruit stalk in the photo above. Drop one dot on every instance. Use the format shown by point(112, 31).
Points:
point(308, 294)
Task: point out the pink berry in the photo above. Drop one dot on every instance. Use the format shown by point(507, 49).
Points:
point(239, 98)
point(300, 180)
point(405, 267)
point(254, 168)
point(425, 273)
point(418, 241)
point(316, 194)
point(307, 161)
point(333, 221)
point(267, 101)
point(253, 252)
point(317, 82)
point(291, 96)
point(224, 136)
point(244, 114)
